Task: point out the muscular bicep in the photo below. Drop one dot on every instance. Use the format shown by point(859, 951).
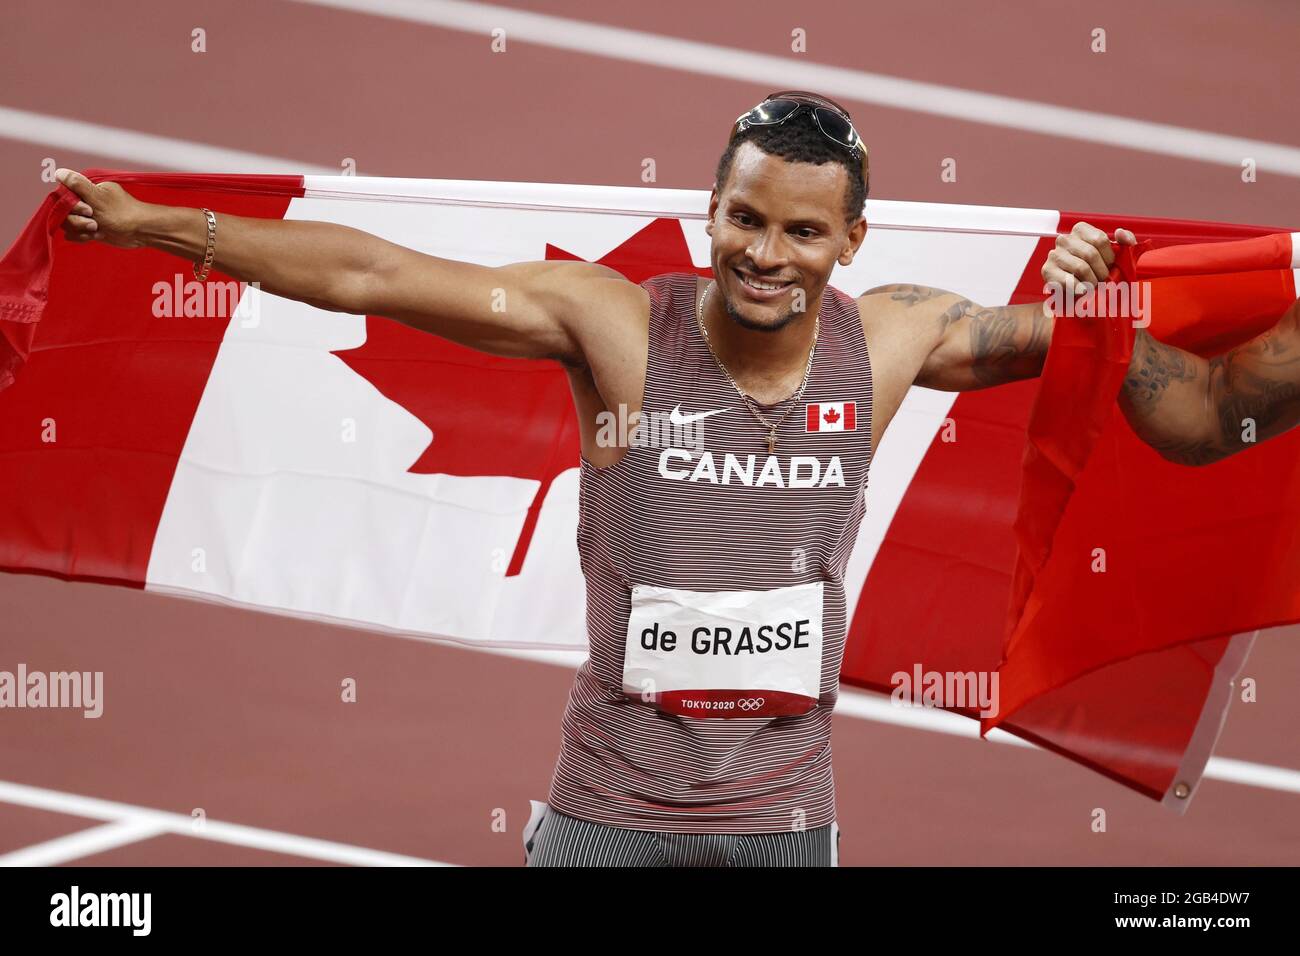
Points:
point(1195, 411)
point(1255, 388)
point(982, 346)
point(522, 310)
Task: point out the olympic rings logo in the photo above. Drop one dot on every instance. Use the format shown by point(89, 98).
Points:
point(751, 703)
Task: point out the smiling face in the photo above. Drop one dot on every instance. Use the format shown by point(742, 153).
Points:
point(778, 224)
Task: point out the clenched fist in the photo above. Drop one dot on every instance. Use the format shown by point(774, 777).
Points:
point(106, 212)
point(1083, 258)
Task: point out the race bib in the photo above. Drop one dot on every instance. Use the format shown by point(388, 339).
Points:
point(725, 653)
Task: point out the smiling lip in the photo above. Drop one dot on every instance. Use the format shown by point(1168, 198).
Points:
point(761, 295)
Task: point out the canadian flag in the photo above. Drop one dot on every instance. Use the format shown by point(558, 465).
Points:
point(348, 468)
point(833, 417)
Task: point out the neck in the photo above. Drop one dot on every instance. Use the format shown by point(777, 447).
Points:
point(753, 354)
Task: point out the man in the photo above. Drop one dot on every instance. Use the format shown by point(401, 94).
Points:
point(698, 731)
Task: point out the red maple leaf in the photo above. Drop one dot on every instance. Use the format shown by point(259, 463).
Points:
point(831, 416)
point(499, 416)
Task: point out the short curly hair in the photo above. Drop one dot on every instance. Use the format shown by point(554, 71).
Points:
point(798, 140)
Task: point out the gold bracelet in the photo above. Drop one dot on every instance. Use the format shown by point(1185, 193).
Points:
point(211, 252)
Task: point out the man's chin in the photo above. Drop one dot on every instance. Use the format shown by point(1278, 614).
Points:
point(760, 319)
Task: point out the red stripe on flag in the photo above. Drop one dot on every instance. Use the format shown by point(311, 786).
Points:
point(118, 386)
point(814, 411)
point(1107, 719)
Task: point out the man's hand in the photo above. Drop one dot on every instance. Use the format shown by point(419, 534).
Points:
point(1082, 258)
point(106, 212)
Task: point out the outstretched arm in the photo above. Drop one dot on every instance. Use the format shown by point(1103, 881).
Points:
point(1195, 411)
point(524, 310)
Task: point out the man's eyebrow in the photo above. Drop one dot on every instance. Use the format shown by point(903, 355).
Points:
point(806, 220)
point(812, 221)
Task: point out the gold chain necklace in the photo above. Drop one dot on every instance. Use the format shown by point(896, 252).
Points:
point(794, 399)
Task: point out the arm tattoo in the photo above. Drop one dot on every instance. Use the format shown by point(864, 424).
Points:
point(1255, 387)
point(1151, 370)
point(994, 348)
point(909, 295)
point(1248, 394)
point(997, 345)
point(1256, 394)
point(1000, 348)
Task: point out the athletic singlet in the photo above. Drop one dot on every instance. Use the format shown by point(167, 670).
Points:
point(662, 534)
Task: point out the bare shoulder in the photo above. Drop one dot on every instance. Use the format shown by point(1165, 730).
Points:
point(608, 318)
point(903, 295)
point(606, 313)
point(907, 315)
point(597, 306)
point(573, 289)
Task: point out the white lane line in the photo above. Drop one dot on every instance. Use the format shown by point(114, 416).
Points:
point(161, 821)
point(1254, 774)
point(865, 705)
point(131, 146)
point(85, 843)
point(770, 71)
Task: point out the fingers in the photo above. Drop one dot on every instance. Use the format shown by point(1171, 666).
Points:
point(1077, 248)
point(79, 228)
point(73, 234)
point(1090, 234)
point(1074, 265)
point(1083, 258)
point(79, 220)
point(1068, 272)
point(78, 183)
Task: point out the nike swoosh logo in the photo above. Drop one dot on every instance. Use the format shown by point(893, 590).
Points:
point(675, 417)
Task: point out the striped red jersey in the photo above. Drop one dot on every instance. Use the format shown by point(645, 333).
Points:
point(715, 588)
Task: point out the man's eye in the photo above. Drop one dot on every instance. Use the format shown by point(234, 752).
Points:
point(812, 232)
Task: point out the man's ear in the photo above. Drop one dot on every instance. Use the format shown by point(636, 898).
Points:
point(854, 242)
point(713, 210)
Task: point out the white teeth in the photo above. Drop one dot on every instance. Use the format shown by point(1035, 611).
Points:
point(757, 284)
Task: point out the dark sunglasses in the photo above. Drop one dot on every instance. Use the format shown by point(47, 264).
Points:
point(833, 122)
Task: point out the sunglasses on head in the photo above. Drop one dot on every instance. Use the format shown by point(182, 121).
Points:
point(832, 121)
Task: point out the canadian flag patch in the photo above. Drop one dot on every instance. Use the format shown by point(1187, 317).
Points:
point(833, 417)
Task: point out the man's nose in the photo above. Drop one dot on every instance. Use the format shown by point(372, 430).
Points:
point(768, 250)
